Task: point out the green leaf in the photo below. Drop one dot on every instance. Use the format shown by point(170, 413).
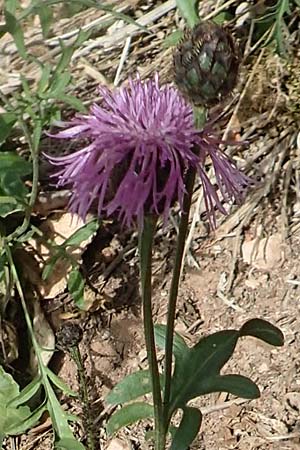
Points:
point(10, 161)
point(27, 393)
point(199, 364)
point(198, 372)
point(188, 429)
point(7, 121)
point(130, 388)
point(189, 11)
point(15, 30)
point(44, 80)
point(58, 382)
point(58, 85)
point(128, 415)
point(8, 387)
point(172, 39)
point(68, 444)
point(48, 268)
point(15, 427)
point(67, 52)
point(179, 346)
point(59, 417)
point(263, 330)
point(223, 17)
point(76, 287)
point(13, 194)
point(75, 102)
point(82, 234)
point(45, 14)
point(233, 384)
point(13, 420)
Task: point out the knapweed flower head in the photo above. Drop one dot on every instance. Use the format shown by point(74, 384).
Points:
point(139, 143)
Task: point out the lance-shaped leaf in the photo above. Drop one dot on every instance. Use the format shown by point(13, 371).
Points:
point(130, 388)
point(128, 415)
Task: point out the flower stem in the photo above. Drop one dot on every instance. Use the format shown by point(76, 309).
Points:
point(199, 117)
point(183, 227)
point(145, 250)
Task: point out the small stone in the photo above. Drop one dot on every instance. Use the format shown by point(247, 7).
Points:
point(117, 444)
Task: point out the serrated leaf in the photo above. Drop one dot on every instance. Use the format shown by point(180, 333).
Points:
point(76, 287)
point(233, 384)
point(7, 121)
point(189, 11)
point(130, 388)
point(82, 234)
point(188, 429)
point(263, 330)
point(58, 382)
point(128, 415)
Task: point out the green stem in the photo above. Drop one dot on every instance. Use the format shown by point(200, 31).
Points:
point(145, 249)
point(183, 227)
point(199, 117)
point(76, 356)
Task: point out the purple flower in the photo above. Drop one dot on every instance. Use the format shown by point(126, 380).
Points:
point(139, 142)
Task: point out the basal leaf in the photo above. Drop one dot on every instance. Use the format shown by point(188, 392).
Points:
point(263, 330)
point(201, 362)
point(128, 415)
point(188, 429)
point(233, 384)
point(179, 346)
point(130, 388)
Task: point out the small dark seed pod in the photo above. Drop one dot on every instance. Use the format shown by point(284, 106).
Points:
point(206, 64)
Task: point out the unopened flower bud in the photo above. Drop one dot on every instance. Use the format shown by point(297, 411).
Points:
point(206, 64)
